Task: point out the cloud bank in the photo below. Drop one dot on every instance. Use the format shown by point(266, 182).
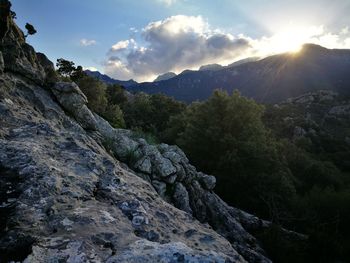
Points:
point(173, 44)
point(187, 42)
point(87, 42)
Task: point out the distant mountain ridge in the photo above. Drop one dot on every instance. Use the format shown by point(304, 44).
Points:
point(210, 67)
point(269, 80)
point(165, 76)
point(108, 80)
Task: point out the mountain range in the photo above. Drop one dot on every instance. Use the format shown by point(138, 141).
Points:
point(269, 80)
point(108, 80)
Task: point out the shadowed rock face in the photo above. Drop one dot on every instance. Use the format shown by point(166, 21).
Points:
point(19, 57)
point(10, 190)
point(77, 203)
point(74, 189)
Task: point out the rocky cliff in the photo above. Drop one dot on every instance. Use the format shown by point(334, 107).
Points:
point(74, 189)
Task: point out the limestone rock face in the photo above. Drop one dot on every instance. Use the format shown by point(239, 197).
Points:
point(74, 101)
point(19, 57)
point(67, 200)
point(181, 198)
point(50, 74)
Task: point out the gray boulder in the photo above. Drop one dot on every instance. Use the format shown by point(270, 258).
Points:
point(50, 73)
point(181, 198)
point(160, 187)
point(74, 101)
point(144, 165)
point(207, 181)
point(163, 166)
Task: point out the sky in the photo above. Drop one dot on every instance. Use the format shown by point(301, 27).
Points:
point(141, 39)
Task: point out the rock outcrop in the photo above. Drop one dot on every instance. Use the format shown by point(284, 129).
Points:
point(65, 199)
point(168, 170)
point(19, 57)
point(74, 189)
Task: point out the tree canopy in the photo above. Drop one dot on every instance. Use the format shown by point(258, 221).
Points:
point(30, 29)
point(65, 67)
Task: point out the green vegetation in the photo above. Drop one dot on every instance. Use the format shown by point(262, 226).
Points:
point(65, 67)
point(225, 136)
point(151, 113)
point(101, 98)
point(301, 183)
point(148, 115)
point(298, 182)
point(30, 28)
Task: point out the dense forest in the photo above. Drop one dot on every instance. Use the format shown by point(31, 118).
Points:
point(287, 162)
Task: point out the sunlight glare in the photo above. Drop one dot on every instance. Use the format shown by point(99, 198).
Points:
point(289, 39)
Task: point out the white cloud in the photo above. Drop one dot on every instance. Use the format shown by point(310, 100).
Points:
point(118, 67)
point(124, 44)
point(344, 31)
point(187, 42)
point(172, 44)
point(167, 2)
point(120, 45)
point(292, 39)
point(87, 42)
point(133, 29)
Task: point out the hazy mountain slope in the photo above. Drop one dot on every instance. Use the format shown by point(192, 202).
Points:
point(270, 80)
point(108, 80)
point(165, 76)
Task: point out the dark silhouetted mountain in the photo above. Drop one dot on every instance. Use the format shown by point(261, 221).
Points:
point(108, 80)
point(165, 76)
point(242, 61)
point(268, 80)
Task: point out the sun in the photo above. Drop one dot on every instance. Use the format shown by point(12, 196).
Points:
point(290, 39)
point(287, 42)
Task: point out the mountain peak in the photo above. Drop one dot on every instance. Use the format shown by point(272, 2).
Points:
point(108, 80)
point(165, 76)
point(312, 47)
point(210, 67)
